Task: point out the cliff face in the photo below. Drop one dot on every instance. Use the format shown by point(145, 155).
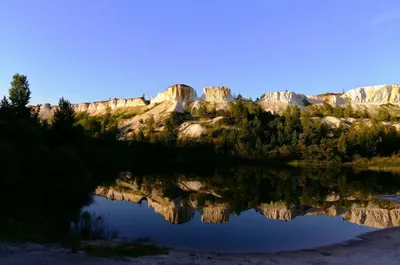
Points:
point(217, 94)
point(178, 92)
point(381, 94)
point(286, 97)
point(100, 107)
point(333, 99)
point(159, 112)
point(46, 111)
point(276, 102)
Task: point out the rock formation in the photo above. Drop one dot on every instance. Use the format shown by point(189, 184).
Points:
point(191, 130)
point(381, 94)
point(100, 107)
point(331, 98)
point(286, 97)
point(159, 112)
point(217, 94)
point(178, 92)
point(276, 102)
point(95, 108)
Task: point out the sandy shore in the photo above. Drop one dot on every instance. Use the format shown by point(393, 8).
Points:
point(377, 247)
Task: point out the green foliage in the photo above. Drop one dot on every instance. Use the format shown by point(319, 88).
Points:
point(348, 111)
point(382, 115)
point(19, 92)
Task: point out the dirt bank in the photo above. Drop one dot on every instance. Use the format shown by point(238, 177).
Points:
point(378, 247)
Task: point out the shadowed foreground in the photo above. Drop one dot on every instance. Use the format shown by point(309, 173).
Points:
point(378, 247)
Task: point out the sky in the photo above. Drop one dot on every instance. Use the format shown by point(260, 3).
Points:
point(90, 50)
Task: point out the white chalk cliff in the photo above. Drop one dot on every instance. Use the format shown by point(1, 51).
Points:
point(181, 97)
point(331, 98)
point(381, 94)
point(276, 102)
point(217, 94)
point(178, 92)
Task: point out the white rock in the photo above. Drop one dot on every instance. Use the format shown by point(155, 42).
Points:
point(191, 130)
point(286, 97)
point(333, 99)
point(178, 92)
point(381, 94)
point(217, 94)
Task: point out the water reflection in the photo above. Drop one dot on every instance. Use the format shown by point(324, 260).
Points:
point(280, 194)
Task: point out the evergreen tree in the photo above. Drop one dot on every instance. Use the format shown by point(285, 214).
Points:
point(19, 93)
point(64, 116)
point(4, 103)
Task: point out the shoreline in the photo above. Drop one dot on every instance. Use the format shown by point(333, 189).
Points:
point(376, 247)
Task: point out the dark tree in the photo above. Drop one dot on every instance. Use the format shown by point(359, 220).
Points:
point(63, 123)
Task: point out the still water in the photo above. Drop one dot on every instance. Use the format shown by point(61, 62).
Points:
point(248, 209)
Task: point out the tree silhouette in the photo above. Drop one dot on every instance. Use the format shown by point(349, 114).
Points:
point(63, 121)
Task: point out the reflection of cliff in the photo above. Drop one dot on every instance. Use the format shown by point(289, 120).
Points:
point(277, 211)
point(371, 215)
point(215, 214)
point(177, 200)
point(174, 212)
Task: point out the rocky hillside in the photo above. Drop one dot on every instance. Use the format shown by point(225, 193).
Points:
point(180, 98)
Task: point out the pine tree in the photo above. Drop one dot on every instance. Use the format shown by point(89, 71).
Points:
point(64, 116)
point(19, 93)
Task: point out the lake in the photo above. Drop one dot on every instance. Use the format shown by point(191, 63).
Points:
point(248, 209)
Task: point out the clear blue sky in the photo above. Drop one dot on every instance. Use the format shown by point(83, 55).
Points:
point(87, 50)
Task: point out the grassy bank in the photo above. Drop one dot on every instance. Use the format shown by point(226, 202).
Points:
point(314, 163)
point(388, 164)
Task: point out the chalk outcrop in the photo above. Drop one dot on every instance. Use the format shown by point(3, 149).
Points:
point(46, 111)
point(100, 107)
point(217, 94)
point(178, 92)
point(191, 130)
point(330, 98)
point(381, 94)
point(277, 102)
point(286, 97)
point(158, 112)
